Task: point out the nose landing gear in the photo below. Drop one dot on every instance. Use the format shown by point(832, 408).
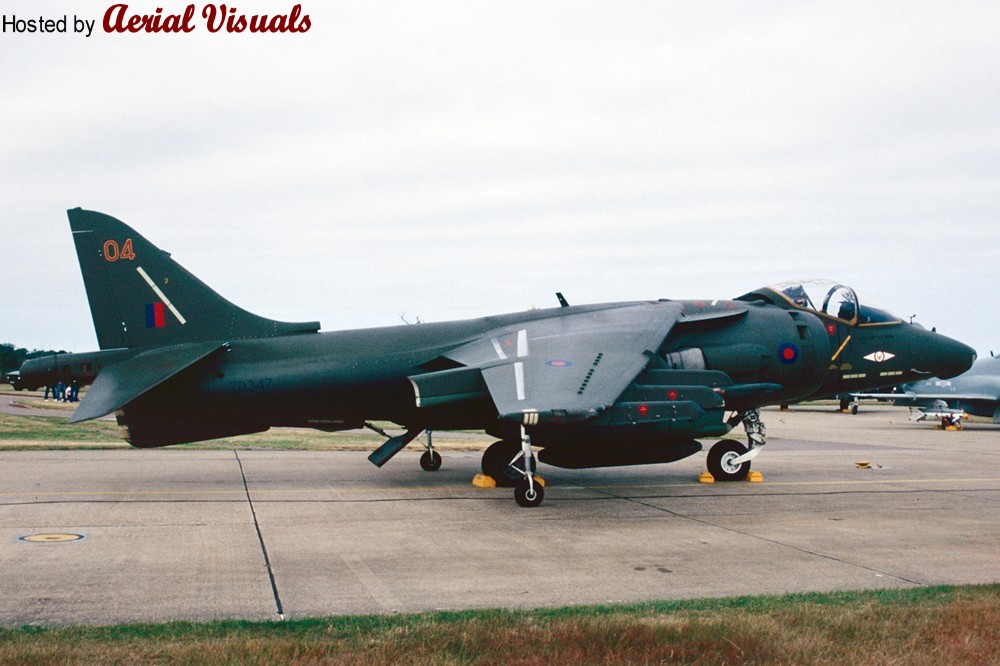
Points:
point(723, 460)
point(728, 460)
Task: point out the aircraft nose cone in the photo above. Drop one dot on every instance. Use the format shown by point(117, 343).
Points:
point(951, 357)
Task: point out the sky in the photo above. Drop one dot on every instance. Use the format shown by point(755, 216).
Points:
point(447, 160)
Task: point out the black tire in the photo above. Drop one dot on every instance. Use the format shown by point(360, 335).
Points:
point(719, 457)
point(526, 496)
point(854, 409)
point(496, 463)
point(430, 461)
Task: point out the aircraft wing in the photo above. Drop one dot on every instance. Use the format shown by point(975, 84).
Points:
point(119, 384)
point(978, 403)
point(571, 365)
point(910, 397)
point(883, 396)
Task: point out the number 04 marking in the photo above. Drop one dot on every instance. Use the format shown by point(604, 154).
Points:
point(112, 251)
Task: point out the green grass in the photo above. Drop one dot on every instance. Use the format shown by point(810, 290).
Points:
point(939, 625)
point(55, 429)
point(53, 432)
point(35, 432)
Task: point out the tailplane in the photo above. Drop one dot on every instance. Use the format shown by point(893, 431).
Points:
point(140, 297)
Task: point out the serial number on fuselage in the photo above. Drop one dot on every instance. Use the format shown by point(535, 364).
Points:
point(251, 384)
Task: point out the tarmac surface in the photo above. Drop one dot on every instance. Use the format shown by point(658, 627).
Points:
point(198, 535)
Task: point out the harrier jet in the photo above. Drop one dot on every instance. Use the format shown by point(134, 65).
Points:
point(976, 392)
point(610, 384)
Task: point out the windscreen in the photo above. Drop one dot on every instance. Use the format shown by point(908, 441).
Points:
point(833, 300)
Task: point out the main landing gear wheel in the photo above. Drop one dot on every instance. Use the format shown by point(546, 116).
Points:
point(430, 461)
point(496, 463)
point(527, 496)
point(720, 461)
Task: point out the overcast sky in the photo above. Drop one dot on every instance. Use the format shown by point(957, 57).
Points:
point(447, 160)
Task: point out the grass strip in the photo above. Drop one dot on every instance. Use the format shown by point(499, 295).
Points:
point(47, 432)
point(932, 625)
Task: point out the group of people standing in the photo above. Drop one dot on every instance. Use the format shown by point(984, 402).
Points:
point(64, 392)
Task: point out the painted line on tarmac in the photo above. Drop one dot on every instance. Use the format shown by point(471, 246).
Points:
point(236, 493)
point(768, 484)
point(438, 489)
point(260, 537)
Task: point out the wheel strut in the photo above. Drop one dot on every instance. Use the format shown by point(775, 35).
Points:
point(527, 492)
point(756, 434)
point(430, 460)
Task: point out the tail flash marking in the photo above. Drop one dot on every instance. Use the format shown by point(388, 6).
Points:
point(161, 295)
point(155, 317)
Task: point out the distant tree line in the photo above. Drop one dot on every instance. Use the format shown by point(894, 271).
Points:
point(12, 357)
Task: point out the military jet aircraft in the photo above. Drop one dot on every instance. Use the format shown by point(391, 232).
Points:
point(590, 385)
point(976, 392)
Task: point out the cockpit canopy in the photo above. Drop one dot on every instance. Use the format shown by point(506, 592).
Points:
point(824, 297)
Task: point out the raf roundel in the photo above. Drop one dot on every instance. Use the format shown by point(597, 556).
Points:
point(788, 353)
point(559, 363)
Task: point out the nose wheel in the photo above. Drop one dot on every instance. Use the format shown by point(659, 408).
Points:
point(729, 460)
point(723, 461)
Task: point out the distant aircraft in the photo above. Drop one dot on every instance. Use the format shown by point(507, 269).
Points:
point(590, 385)
point(976, 392)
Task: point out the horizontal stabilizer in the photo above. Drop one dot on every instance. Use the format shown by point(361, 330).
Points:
point(123, 382)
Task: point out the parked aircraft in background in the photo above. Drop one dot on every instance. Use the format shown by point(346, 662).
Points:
point(590, 385)
point(976, 393)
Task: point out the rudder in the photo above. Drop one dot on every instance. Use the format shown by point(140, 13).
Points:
point(140, 297)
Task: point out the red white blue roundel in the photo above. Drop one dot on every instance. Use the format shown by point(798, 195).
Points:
point(559, 363)
point(788, 353)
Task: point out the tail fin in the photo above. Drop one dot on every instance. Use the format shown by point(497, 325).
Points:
point(140, 297)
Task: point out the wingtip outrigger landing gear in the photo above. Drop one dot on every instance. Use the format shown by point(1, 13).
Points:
point(729, 460)
point(527, 491)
